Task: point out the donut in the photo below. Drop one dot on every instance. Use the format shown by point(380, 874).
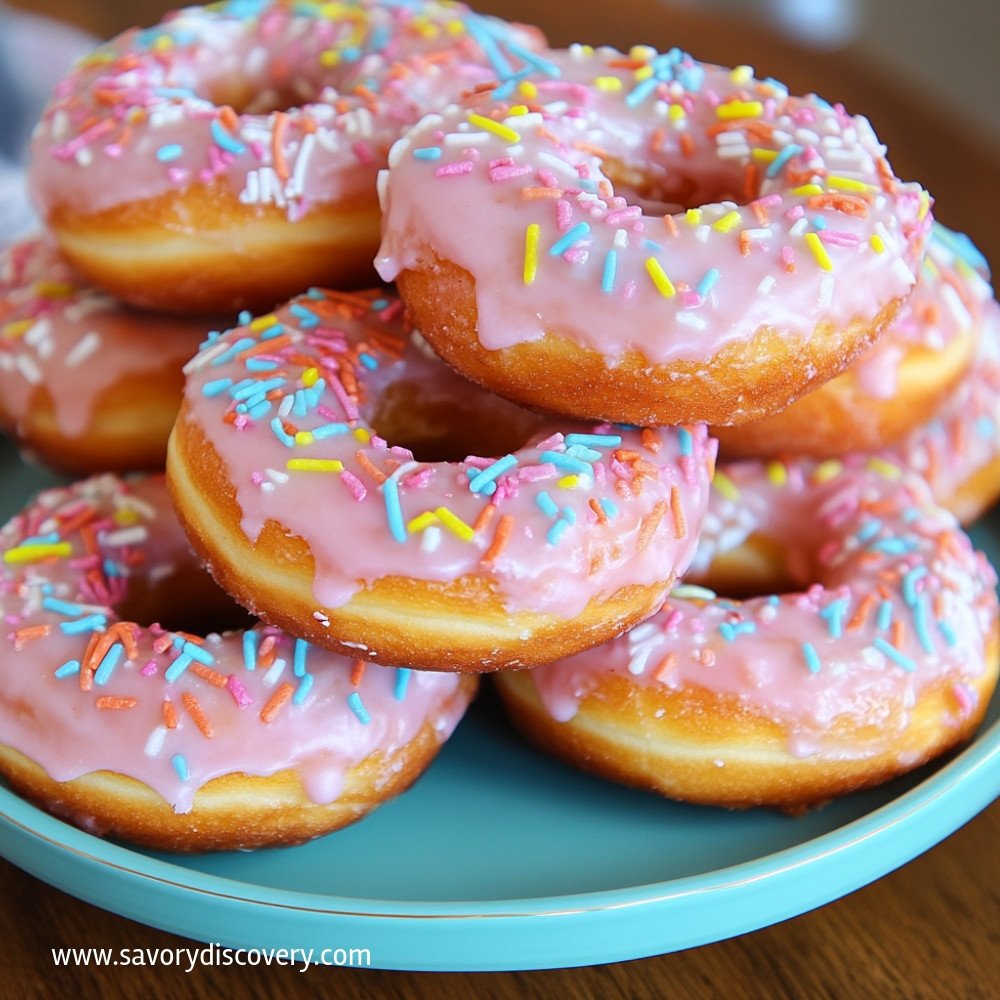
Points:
point(661, 241)
point(893, 388)
point(883, 654)
point(86, 383)
point(178, 740)
point(227, 157)
point(292, 469)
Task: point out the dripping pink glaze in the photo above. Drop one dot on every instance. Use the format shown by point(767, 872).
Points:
point(343, 514)
point(755, 650)
point(58, 725)
point(60, 334)
point(449, 177)
point(950, 299)
point(142, 116)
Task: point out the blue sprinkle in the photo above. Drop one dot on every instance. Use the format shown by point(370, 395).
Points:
point(302, 691)
point(250, 650)
point(256, 387)
point(488, 490)
point(583, 453)
point(279, 432)
point(427, 153)
point(569, 515)
point(170, 152)
point(910, 584)
point(884, 616)
point(534, 60)
point(177, 667)
point(819, 223)
point(393, 510)
point(776, 165)
point(869, 530)
point(895, 546)
point(594, 440)
point(103, 673)
point(368, 361)
point(556, 531)
point(259, 411)
point(235, 348)
point(329, 430)
point(260, 365)
point(198, 653)
point(306, 317)
point(180, 766)
point(569, 238)
point(652, 245)
point(357, 706)
point(811, 657)
point(900, 659)
point(708, 282)
point(244, 317)
point(642, 90)
point(731, 630)
point(609, 272)
point(486, 476)
point(49, 539)
point(985, 426)
point(546, 504)
point(948, 632)
point(69, 669)
point(224, 140)
point(685, 440)
point(299, 657)
point(92, 623)
point(275, 330)
point(216, 387)
point(563, 461)
point(833, 615)
point(920, 625)
point(609, 507)
point(402, 683)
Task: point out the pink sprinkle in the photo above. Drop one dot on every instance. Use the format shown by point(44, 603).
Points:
point(687, 465)
point(788, 256)
point(576, 255)
point(564, 214)
point(240, 694)
point(839, 239)
point(256, 478)
point(454, 169)
point(149, 669)
point(690, 299)
point(350, 409)
point(357, 488)
point(417, 479)
point(535, 473)
point(478, 462)
point(499, 174)
point(114, 150)
point(364, 153)
point(673, 620)
point(629, 214)
point(547, 178)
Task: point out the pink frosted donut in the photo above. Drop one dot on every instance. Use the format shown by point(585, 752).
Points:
point(345, 486)
point(227, 156)
point(86, 383)
point(908, 375)
point(660, 240)
point(175, 740)
point(882, 654)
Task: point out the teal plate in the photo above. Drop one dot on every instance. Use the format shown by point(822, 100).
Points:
point(500, 858)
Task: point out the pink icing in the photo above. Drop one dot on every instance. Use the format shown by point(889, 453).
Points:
point(129, 534)
point(146, 114)
point(589, 509)
point(882, 554)
point(800, 221)
point(61, 335)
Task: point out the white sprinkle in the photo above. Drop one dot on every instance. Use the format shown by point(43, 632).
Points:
point(83, 349)
point(826, 289)
point(702, 233)
point(271, 677)
point(276, 476)
point(766, 285)
point(155, 742)
point(29, 370)
point(691, 319)
point(430, 539)
point(126, 536)
point(901, 270)
point(296, 184)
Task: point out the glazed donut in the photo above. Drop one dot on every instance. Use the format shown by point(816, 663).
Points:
point(915, 366)
point(86, 383)
point(174, 740)
point(227, 157)
point(662, 241)
point(885, 655)
point(282, 471)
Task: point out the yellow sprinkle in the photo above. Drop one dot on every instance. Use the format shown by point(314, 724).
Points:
point(422, 521)
point(819, 251)
point(568, 482)
point(314, 465)
point(607, 83)
point(693, 216)
point(676, 113)
point(663, 284)
point(125, 516)
point(586, 50)
point(455, 524)
point(877, 243)
point(925, 205)
point(454, 26)
point(883, 468)
point(531, 235)
point(263, 322)
point(362, 435)
point(527, 89)
point(505, 133)
point(740, 109)
point(644, 72)
point(163, 43)
point(329, 58)
point(762, 155)
point(724, 485)
point(517, 110)
point(642, 52)
point(304, 437)
point(309, 377)
point(727, 222)
point(741, 74)
point(848, 184)
point(828, 470)
point(17, 327)
point(777, 473)
point(54, 289)
point(33, 553)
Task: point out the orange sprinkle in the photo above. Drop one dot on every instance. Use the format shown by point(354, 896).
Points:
point(861, 613)
point(602, 518)
point(72, 524)
point(358, 671)
point(658, 138)
point(366, 463)
point(500, 538)
point(849, 204)
point(206, 673)
point(665, 666)
point(899, 634)
point(759, 212)
point(650, 441)
point(626, 455)
point(228, 118)
point(110, 701)
point(590, 147)
point(623, 488)
point(484, 518)
point(170, 718)
point(25, 635)
point(687, 144)
point(668, 221)
point(125, 632)
point(535, 193)
point(277, 147)
point(276, 702)
point(744, 243)
point(649, 525)
point(267, 347)
point(751, 181)
point(267, 651)
point(196, 713)
point(707, 657)
point(680, 525)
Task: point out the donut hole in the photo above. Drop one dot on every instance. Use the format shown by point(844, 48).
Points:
point(449, 426)
point(659, 190)
point(186, 600)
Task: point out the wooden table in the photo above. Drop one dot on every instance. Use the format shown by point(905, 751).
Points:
point(930, 930)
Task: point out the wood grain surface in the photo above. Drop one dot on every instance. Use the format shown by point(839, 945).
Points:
point(930, 930)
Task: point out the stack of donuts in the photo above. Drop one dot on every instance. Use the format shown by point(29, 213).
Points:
point(635, 382)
